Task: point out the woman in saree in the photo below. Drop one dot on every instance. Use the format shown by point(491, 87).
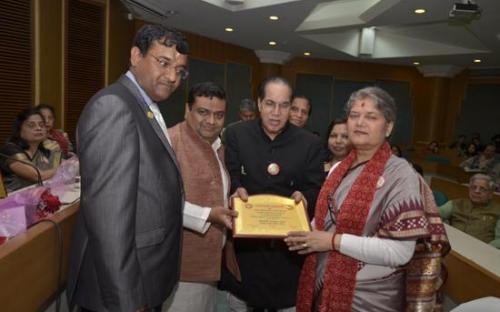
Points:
point(59, 136)
point(338, 143)
point(369, 216)
point(25, 147)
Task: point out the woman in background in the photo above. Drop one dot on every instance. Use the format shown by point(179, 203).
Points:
point(337, 142)
point(396, 150)
point(26, 146)
point(433, 147)
point(59, 136)
point(471, 150)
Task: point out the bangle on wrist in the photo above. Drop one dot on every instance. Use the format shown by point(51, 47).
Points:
point(333, 240)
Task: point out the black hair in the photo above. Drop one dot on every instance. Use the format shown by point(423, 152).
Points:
point(400, 152)
point(205, 89)
point(41, 106)
point(300, 96)
point(169, 37)
point(261, 92)
point(15, 138)
point(333, 123)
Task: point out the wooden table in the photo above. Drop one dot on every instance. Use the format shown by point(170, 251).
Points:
point(29, 264)
point(473, 268)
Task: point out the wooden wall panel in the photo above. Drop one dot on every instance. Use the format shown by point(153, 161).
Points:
point(84, 58)
point(434, 101)
point(119, 37)
point(49, 57)
point(16, 59)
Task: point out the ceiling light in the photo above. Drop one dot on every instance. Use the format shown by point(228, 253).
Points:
point(477, 61)
point(274, 18)
point(416, 63)
point(228, 29)
point(420, 11)
point(307, 53)
point(272, 43)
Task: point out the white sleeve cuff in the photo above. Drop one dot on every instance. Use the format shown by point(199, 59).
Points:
point(195, 217)
point(378, 251)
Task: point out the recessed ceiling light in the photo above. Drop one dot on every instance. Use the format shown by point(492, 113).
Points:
point(272, 42)
point(477, 61)
point(416, 63)
point(274, 18)
point(420, 11)
point(228, 29)
point(307, 53)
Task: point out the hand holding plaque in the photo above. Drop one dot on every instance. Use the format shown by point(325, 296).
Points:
point(267, 216)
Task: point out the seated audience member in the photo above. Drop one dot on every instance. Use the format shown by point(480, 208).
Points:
point(26, 145)
point(433, 147)
point(471, 150)
point(337, 142)
point(59, 136)
point(300, 111)
point(495, 174)
point(484, 162)
point(476, 139)
point(477, 215)
point(459, 145)
point(396, 150)
point(496, 140)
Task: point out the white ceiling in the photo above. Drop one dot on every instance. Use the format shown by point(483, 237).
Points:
point(332, 29)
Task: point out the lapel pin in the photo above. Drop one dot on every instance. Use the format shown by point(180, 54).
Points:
point(150, 115)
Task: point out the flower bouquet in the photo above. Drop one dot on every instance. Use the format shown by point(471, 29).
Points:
point(22, 209)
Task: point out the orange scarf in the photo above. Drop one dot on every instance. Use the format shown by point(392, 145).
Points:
point(340, 273)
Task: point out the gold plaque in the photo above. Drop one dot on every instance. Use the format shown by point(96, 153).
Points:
point(267, 216)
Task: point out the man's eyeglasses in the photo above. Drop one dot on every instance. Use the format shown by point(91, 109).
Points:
point(165, 64)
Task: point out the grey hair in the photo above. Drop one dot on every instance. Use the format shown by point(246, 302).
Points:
point(383, 101)
point(482, 176)
point(247, 105)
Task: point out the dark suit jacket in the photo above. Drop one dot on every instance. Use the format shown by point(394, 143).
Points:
point(126, 245)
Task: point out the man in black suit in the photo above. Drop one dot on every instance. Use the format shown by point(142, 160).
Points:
point(126, 245)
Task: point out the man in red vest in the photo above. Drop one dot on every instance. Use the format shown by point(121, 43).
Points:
point(199, 152)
